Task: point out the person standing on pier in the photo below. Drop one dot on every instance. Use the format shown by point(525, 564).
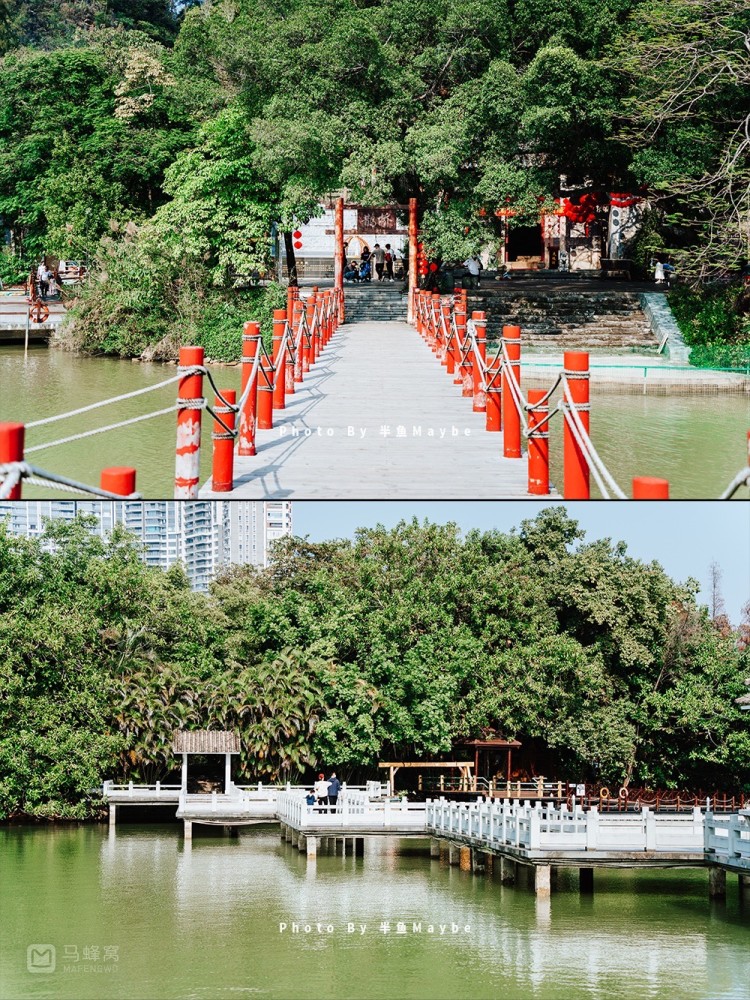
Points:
point(334, 787)
point(321, 790)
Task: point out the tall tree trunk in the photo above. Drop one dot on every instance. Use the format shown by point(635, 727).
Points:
point(291, 260)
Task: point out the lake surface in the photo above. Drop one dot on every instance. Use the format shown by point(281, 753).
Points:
point(697, 442)
point(204, 922)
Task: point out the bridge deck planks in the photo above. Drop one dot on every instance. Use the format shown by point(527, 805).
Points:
point(371, 376)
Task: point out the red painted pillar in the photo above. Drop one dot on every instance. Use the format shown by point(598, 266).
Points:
point(538, 445)
point(413, 240)
point(480, 399)
point(249, 411)
point(494, 395)
point(289, 358)
point(460, 314)
point(650, 488)
point(279, 360)
point(308, 358)
point(188, 446)
point(119, 479)
point(435, 310)
point(11, 450)
point(447, 358)
point(299, 340)
point(511, 370)
point(338, 265)
point(576, 479)
point(265, 391)
point(222, 473)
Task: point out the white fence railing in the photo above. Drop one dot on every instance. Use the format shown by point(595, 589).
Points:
point(727, 839)
point(540, 827)
point(354, 809)
point(112, 791)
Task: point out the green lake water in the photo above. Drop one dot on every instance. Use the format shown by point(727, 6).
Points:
point(204, 922)
point(697, 442)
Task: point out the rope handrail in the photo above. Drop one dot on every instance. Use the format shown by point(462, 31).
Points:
point(12, 473)
point(118, 399)
point(101, 430)
point(741, 479)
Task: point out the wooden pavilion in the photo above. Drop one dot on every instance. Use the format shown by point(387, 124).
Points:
point(206, 742)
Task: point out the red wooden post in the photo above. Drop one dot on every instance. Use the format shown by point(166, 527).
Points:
point(447, 359)
point(576, 478)
point(650, 488)
point(11, 450)
point(413, 240)
point(511, 370)
point(480, 400)
point(249, 411)
point(338, 264)
point(435, 323)
point(289, 357)
point(298, 339)
point(188, 446)
point(279, 360)
point(538, 445)
point(265, 391)
point(460, 314)
point(119, 479)
point(222, 476)
point(308, 355)
point(494, 395)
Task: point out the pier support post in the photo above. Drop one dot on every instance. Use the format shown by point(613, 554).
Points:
point(464, 859)
point(112, 814)
point(188, 829)
point(295, 838)
point(434, 848)
point(586, 881)
point(717, 883)
point(444, 848)
point(359, 847)
point(477, 859)
point(489, 863)
point(542, 880)
point(743, 884)
point(301, 842)
point(282, 831)
point(311, 844)
point(453, 854)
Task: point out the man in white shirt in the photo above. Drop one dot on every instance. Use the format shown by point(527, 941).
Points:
point(473, 266)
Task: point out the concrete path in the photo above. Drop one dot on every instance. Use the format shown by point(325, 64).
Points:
point(378, 418)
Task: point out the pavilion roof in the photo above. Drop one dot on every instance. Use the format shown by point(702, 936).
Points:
point(205, 741)
point(493, 741)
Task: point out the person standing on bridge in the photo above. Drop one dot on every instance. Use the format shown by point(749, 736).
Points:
point(42, 277)
point(321, 790)
point(334, 787)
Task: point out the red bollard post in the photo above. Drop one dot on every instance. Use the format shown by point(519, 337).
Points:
point(413, 240)
point(279, 361)
point(479, 404)
point(460, 314)
point(11, 450)
point(298, 340)
point(511, 370)
point(308, 355)
point(435, 310)
point(576, 478)
point(447, 358)
point(222, 474)
point(265, 392)
point(249, 411)
point(494, 420)
point(188, 446)
point(538, 445)
point(119, 479)
point(650, 488)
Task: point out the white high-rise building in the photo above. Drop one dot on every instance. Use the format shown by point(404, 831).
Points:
point(204, 535)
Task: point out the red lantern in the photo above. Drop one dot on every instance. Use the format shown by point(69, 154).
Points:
point(297, 234)
point(298, 244)
point(433, 266)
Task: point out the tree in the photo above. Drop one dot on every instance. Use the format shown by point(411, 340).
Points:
point(688, 64)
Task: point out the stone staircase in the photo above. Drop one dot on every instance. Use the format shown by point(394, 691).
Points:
point(553, 320)
point(375, 302)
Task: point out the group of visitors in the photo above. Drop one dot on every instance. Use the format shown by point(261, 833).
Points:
point(664, 272)
point(325, 793)
point(381, 258)
point(47, 282)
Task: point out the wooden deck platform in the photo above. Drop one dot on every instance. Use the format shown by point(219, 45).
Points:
point(377, 417)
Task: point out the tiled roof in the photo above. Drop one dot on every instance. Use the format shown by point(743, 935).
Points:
point(205, 741)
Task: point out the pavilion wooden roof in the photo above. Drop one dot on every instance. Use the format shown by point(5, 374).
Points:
point(494, 741)
point(205, 741)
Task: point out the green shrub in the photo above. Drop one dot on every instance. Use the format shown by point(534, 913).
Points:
point(713, 325)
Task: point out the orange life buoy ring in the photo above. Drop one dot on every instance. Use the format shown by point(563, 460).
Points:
point(39, 312)
point(603, 793)
point(623, 793)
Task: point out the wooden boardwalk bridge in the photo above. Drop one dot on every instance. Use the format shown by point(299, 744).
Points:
point(376, 416)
